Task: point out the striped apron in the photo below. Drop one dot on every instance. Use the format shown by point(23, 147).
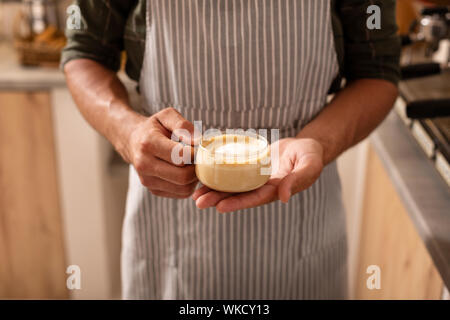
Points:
point(237, 64)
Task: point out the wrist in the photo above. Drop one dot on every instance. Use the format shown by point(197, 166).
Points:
point(326, 144)
point(124, 122)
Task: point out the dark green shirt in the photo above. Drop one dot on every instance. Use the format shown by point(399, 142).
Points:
point(109, 27)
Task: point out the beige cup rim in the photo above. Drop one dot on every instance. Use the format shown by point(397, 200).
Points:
point(245, 134)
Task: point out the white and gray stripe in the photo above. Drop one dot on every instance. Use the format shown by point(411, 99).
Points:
point(237, 64)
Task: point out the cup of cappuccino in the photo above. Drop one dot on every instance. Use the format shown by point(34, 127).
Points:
point(233, 162)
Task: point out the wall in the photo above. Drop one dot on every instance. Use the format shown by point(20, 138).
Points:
point(352, 169)
point(92, 191)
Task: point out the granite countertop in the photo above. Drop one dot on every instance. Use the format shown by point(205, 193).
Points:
point(423, 191)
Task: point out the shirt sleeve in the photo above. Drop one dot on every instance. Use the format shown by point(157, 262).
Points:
point(101, 32)
point(370, 53)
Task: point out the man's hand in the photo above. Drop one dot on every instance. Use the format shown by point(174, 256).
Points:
point(143, 142)
point(300, 164)
point(158, 159)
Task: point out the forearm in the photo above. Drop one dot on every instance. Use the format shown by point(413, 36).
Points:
point(102, 100)
point(355, 112)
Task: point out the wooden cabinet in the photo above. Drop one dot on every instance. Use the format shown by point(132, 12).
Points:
point(32, 260)
point(389, 240)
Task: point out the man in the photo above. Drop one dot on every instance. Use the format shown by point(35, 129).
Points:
point(234, 64)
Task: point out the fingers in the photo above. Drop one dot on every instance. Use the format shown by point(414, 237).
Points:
point(259, 197)
point(156, 141)
point(200, 191)
point(287, 184)
point(171, 151)
point(176, 175)
point(154, 167)
point(211, 199)
point(165, 194)
point(173, 121)
point(157, 186)
point(161, 144)
point(298, 180)
point(164, 164)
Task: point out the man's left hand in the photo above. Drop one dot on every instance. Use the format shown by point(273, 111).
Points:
point(300, 165)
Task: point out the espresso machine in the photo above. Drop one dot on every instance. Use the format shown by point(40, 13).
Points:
point(432, 32)
point(424, 103)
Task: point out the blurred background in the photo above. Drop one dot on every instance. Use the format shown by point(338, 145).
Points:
point(63, 188)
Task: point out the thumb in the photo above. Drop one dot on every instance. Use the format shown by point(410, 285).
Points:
point(298, 180)
point(175, 123)
point(287, 184)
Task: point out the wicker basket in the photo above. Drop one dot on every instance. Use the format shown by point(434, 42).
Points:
point(37, 54)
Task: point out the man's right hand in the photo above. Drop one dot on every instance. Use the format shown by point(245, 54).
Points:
point(143, 142)
point(150, 150)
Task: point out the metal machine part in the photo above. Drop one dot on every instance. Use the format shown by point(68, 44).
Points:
point(431, 28)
